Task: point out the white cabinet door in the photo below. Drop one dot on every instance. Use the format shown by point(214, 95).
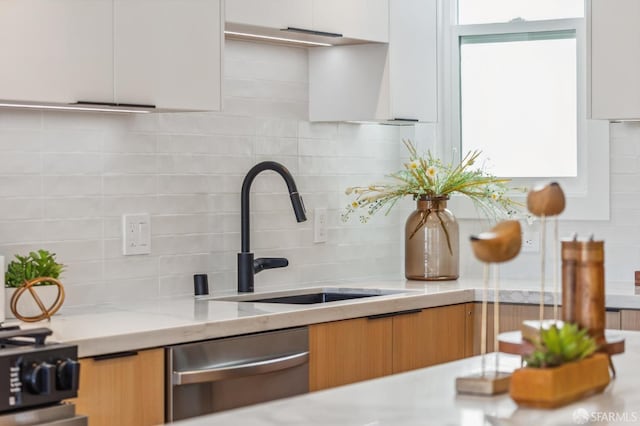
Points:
point(379, 82)
point(413, 66)
point(168, 53)
point(615, 59)
point(359, 19)
point(56, 51)
point(277, 14)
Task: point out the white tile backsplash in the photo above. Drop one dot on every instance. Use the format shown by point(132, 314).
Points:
point(66, 179)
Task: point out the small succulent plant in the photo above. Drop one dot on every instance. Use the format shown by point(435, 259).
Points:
point(558, 346)
point(36, 264)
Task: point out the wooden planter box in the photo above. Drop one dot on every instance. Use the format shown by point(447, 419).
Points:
point(553, 387)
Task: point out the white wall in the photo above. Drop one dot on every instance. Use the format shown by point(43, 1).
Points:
point(621, 234)
point(66, 179)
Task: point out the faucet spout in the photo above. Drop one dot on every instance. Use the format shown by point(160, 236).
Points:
point(247, 266)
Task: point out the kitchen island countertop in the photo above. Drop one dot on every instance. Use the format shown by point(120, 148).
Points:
point(427, 397)
point(109, 328)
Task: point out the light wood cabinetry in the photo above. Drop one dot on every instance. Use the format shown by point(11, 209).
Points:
point(614, 59)
point(432, 336)
point(348, 351)
point(511, 317)
point(57, 51)
point(126, 390)
point(378, 82)
point(629, 319)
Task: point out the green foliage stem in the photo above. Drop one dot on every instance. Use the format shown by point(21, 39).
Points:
point(36, 264)
point(559, 346)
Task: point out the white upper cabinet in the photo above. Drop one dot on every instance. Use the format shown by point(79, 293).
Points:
point(270, 13)
point(56, 51)
point(164, 53)
point(356, 20)
point(167, 53)
point(614, 58)
point(379, 82)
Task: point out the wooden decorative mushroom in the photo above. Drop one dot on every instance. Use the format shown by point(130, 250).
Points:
point(544, 201)
point(500, 244)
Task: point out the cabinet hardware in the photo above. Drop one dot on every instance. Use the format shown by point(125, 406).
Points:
point(393, 314)
point(114, 104)
point(115, 355)
point(412, 120)
point(311, 32)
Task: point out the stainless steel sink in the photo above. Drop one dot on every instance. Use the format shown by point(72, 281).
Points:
point(312, 296)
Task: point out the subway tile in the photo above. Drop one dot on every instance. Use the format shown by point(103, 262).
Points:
point(129, 163)
point(182, 184)
point(126, 204)
point(130, 184)
point(21, 231)
point(20, 119)
point(71, 185)
point(129, 142)
point(128, 267)
point(82, 141)
point(179, 224)
point(75, 229)
point(177, 204)
point(21, 140)
point(71, 163)
point(20, 208)
point(72, 207)
point(20, 186)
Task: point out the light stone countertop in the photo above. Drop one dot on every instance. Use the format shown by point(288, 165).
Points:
point(110, 328)
point(427, 397)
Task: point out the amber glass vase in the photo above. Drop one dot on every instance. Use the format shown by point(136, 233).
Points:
point(431, 242)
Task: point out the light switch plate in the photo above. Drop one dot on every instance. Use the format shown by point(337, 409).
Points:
point(320, 225)
point(136, 234)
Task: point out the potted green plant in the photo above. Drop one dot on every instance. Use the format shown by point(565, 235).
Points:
point(431, 231)
point(36, 274)
point(563, 368)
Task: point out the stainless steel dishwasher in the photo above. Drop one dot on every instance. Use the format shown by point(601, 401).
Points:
point(215, 375)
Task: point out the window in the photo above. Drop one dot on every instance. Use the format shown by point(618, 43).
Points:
point(516, 90)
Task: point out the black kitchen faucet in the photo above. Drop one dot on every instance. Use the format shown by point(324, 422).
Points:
point(247, 266)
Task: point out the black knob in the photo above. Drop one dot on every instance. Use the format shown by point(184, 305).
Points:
point(68, 374)
point(41, 378)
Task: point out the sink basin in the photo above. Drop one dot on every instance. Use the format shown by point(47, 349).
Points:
point(313, 296)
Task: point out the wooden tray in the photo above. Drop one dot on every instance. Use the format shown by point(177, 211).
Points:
point(557, 386)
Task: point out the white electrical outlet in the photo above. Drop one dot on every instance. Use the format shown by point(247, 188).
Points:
point(136, 234)
point(320, 225)
point(531, 241)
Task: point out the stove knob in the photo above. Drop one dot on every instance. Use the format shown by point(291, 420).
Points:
point(41, 378)
point(68, 374)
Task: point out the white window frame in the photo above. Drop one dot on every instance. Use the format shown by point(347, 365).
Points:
point(587, 194)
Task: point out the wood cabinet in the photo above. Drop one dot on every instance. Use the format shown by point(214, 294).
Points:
point(364, 20)
point(614, 59)
point(165, 53)
point(629, 319)
point(379, 82)
point(348, 351)
point(511, 317)
point(56, 51)
point(123, 390)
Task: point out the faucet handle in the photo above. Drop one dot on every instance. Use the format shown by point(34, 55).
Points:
point(263, 263)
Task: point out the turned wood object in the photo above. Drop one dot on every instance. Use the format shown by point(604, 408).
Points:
point(569, 258)
point(500, 244)
point(583, 285)
point(546, 200)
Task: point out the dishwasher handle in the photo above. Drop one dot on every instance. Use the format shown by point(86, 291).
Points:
point(249, 369)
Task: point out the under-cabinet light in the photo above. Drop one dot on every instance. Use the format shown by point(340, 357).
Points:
point(264, 37)
point(71, 108)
